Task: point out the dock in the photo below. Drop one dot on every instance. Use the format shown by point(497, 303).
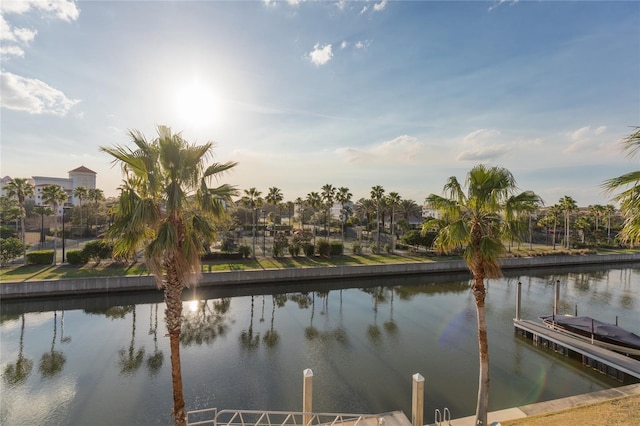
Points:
point(601, 359)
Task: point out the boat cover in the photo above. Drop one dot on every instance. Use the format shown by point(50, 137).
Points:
point(584, 325)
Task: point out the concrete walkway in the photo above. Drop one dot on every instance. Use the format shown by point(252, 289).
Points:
point(549, 406)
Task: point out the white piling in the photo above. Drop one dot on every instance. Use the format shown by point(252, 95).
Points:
point(307, 395)
point(417, 400)
point(518, 298)
point(556, 297)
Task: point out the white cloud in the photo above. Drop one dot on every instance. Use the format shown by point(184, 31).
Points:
point(33, 96)
point(65, 10)
point(320, 55)
point(403, 149)
point(380, 6)
point(9, 33)
point(341, 4)
point(344, 45)
point(480, 145)
point(585, 140)
point(501, 2)
point(9, 51)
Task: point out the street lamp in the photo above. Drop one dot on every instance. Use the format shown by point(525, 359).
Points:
point(63, 234)
point(264, 231)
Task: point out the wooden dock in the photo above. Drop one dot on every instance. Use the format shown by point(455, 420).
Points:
point(604, 360)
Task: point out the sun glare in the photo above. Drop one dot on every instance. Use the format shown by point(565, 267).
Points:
point(196, 105)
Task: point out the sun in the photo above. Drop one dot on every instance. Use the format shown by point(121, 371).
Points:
point(196, 105)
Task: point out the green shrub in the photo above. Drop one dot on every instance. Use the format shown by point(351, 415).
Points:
point(356, 248)
point(387, 248)
point(336, 248)
point(324, 248)
point(98, 250)
point(9, 248)
point(244, 250)
point(309, 249)
point(374, 248)
point(40, 257)
point(294, 250)
point(77, 257)
point(7, 232)
point(280, 243)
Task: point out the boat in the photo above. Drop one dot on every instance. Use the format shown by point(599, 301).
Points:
point(599, 333)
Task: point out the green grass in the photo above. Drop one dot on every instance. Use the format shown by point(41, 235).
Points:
point(47, 272)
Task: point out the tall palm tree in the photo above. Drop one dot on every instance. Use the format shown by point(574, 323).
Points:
point(81, 193)
point(393, 201)
point(300, 203)
point(166, 207)
point(314, 200)
point(629, 195)
point(365, 208)
point(96, 195)
point(274, 197)
point(253, 200)
point(567, 205)
point(609, 210)
point(555, 211)
point(54, 196)
point(328, 194)
point(20, 188)
point(476, 221)
point(377, 195)
point(343, 196)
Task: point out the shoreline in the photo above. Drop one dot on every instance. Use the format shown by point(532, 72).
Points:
point(248, 278)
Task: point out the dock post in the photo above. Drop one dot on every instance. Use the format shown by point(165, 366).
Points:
point(556, 297)
point(518, 298)
point(417, 400)
point(307, 396)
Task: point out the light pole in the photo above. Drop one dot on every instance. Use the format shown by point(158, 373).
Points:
point(255, 213)
point(264, 231)
point(63, 209)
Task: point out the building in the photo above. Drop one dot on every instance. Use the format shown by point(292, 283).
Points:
point(81, 176)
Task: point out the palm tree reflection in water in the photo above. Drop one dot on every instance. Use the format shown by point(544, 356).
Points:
point(52, 362)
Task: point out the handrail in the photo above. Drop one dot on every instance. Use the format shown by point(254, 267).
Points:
point(274, 418)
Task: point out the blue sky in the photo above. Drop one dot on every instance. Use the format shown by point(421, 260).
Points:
point(401, 94)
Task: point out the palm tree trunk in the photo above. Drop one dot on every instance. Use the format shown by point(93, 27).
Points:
point(173, 315)
point(55, 234)
point(24, 245)
point(483, 351)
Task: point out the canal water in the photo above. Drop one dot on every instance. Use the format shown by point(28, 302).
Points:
point(105, 360)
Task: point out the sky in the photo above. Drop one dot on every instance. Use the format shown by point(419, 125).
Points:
point(401, 94)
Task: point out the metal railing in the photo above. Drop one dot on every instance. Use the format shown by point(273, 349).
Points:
point(214, 417)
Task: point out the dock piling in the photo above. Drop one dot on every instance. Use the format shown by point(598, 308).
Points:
point(518, 298)
point(556, 297)
point(307, 396)
point(417, 400)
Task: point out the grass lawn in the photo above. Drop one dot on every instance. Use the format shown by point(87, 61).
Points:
point(106, 268)
point(620, 411)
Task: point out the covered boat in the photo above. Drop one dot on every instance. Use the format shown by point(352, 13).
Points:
point(597, 332)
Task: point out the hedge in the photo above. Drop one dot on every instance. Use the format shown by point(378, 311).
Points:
point(77, 257)
point(40, 257)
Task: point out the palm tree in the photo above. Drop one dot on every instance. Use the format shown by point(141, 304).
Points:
point(377, 195)
point(554, 211)
point(525, 202)
point(166, 206)
point(629, 197)
point(393, 200)
point(476, 222)
point(274, 197)
point(609, 210)
point(253, 200)
point(20, 188)
point(328, 194)
point(409, 208)
point(314, 200)
point(54, 196)
point(343, 196)
point(96, 195)
point(567, 205)
point(81, 193)
point(364, 209)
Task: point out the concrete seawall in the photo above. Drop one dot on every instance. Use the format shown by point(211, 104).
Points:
point(106, 285)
